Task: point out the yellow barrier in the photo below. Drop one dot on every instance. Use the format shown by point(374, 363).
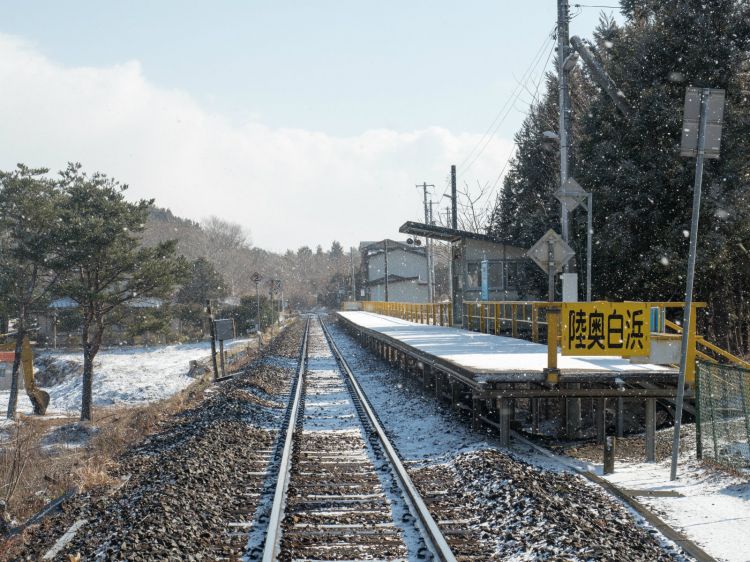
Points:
point(436, 314)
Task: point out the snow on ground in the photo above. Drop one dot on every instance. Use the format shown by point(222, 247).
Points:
point(714, 511)
point(127, 375)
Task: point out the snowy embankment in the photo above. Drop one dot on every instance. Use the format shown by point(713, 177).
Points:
point(128, 375)
point(710, 506)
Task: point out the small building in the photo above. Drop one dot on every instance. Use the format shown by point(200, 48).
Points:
point(394, 271)
point(506, 265)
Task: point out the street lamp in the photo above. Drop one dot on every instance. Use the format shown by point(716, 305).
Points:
point(256, 278)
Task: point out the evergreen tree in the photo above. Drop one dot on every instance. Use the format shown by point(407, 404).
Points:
point(527, 207)
point(642, 187)
point(203, 284)
point(29, 215)
point(107, 264)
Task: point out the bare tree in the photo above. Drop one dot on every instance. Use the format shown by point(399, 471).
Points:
point(224, 235)
point(474, 208)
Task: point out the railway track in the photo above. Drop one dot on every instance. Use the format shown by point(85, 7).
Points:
point(341, 492)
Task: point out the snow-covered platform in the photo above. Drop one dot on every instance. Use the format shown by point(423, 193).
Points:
point(484, 360)
point(495, 357)
point(502, 380)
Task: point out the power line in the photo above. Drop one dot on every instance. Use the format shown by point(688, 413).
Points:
point(534, 100)
point(477, 151)
point(504, 111)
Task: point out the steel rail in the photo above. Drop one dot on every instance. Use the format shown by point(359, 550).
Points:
point(273, 534)
point(433, 536)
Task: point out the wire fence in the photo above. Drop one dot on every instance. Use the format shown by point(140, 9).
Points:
point(723, 424)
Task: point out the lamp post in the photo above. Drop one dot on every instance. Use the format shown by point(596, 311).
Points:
point(256, 278)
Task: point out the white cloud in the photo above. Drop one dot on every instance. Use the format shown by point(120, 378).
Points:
point(289, 187)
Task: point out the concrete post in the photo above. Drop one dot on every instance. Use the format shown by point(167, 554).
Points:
point(504, 415)
point(573, 414)
point(650, 429)
point(455, 393)
point(601, 419)
point(477, 409)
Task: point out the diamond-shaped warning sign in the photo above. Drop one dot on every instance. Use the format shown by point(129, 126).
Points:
point(560, 255)
point(572, 194)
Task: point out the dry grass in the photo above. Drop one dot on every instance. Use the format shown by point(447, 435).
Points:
point(33, 471)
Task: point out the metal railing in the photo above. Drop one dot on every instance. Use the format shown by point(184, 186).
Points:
point(435, 313)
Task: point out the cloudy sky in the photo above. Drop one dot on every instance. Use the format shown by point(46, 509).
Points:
point(303, 121)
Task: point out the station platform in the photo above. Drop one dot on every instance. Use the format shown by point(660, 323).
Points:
point(486, 358)
point(502, 381)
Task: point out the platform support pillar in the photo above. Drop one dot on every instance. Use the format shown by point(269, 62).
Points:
point(601, 420)
point(426, 371)
point(651, 430)
point(534, 415)
point(455, 393)
point(572, 414)
point(620, 417)
point(477, 409)
point(438, 386)
point(504, 411)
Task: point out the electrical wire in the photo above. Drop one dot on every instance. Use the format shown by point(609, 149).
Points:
point(482, 144)
point(534, 99)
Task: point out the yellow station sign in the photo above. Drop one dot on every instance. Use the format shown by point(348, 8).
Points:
point(605, 328)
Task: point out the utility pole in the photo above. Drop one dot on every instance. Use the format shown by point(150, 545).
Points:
point(256, 278)
point(430, 295)
point(351, 264)
point(431, 256)
point(385, 266)
point(454, 199)
point(456, 297)
point(562, 80)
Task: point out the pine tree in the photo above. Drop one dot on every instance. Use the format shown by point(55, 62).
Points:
point(642, 187)
point(29, 215)
point(107, 264)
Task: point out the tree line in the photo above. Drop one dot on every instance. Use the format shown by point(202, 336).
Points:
point(76, 236)
point(642, 187)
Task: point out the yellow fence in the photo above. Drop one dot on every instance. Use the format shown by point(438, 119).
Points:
point(435, 313)
point(541, 321)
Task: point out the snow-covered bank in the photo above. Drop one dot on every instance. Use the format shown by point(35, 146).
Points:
point(128, 375)
point(713, 508)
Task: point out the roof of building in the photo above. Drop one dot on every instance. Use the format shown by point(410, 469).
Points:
point(145, 302)
point(378, 247)
point(231, 301)
point(446, 234)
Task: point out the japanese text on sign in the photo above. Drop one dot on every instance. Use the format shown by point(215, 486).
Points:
point(604, 328)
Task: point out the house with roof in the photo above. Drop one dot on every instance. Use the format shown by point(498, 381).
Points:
point(394, 271)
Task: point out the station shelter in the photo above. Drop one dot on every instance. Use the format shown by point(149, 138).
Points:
point(483, 268)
